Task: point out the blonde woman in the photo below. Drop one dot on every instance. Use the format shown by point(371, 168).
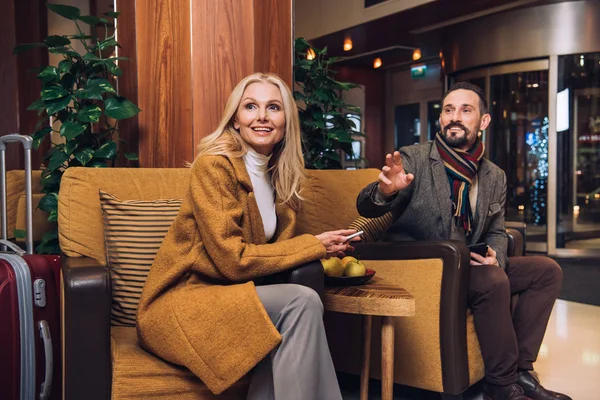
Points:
point(200, 307)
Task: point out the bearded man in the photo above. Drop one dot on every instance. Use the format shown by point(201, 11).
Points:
point(445, 189)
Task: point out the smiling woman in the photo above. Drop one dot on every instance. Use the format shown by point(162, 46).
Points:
point(236, 227)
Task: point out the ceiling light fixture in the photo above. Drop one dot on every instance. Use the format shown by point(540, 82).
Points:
point(310, 54)
point(347, 44)
point(416, 54)
point(377, 63)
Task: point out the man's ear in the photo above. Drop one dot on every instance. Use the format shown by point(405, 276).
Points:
point(485, 121)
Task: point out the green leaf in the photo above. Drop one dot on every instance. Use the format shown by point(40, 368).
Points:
point(64, 66)
point(50, 179)
point(132, 156)
point(71, 130)
point(120, 108)
point(91, 94)
point(108, 150)
point(53, 92)
point(91, 57)
point(49, 74)
point(49, 202)
point(54, 106)
point(84, 155)
point(70, 146)
point(89, 19)
point(37, 105)
point(48, 247)
point(113, 14)
point(101, 83)
point(39, 136)
point(50, 235)
point(90, 113)
point(53, 217)
point(68, 12)
point(113, 68)
point(64, 50)
point(110, 42)
point(57, 159)
point(57, 41)
point(27, 46)
point(19, 233)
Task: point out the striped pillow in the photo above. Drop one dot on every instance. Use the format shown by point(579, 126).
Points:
point(374, 228)
point(133, 232)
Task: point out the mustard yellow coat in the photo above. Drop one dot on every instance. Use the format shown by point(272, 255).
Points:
point(199, 307)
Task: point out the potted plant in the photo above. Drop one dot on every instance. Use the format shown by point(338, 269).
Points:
point(78, 96)
point(326, 130)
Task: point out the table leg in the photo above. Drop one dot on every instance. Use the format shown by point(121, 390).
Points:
point(366, 358)
point(387, 358)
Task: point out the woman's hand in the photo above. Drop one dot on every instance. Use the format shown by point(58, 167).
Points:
point(334, 242)
point(489, 259)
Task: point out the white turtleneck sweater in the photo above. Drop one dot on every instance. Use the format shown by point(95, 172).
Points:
point(258, 166)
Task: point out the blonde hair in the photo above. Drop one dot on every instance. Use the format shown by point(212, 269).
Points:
point(287, 162)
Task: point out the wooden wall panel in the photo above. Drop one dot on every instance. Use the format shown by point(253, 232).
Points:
point(127, 83)
point(22, 21)
point(222, 54)
point(164, 77)
point(273, 36)
point(374, 110)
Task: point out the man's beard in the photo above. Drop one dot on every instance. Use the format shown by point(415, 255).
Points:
point(456, 141)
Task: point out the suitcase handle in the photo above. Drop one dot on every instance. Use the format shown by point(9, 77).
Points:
point(16, 249)
point(47, 339)
point(27, 142)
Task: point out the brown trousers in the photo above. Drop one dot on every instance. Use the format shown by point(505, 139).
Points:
point(511, 341)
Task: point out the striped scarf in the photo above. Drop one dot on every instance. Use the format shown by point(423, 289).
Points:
point(461, 167)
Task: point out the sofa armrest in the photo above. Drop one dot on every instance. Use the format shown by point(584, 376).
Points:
point(86, 297)
point(516, 233)
point(310, 274)
point(453, 298)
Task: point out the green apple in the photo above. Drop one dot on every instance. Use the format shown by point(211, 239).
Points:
point(333, 266)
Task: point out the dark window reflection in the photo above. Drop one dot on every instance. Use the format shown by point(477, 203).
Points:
point(518, 143)
point(578, 198)
point(408, 125)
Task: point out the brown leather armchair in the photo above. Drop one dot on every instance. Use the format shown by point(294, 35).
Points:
point(86, 324)
point(460, 357)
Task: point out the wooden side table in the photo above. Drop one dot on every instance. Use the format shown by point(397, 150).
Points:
point(376, 298)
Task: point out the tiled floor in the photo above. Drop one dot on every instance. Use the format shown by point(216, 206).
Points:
point(569, 360)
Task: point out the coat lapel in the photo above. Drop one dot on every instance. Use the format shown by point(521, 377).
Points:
point(442, 188)
point(483, 201)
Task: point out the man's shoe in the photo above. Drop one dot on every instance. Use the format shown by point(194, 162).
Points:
point(532, 388)
point(503, 392)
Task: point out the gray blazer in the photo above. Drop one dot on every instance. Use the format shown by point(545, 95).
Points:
point(423, 210)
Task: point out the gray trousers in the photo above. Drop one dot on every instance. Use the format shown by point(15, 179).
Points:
point(300, 368)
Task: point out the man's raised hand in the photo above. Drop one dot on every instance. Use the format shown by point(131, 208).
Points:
point(392, 177)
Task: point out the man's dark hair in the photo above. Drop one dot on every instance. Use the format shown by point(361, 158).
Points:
point(483, 104)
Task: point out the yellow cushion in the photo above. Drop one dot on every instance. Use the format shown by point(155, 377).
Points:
point(133, 231)
point(15, 188)
point(80, 224)
point(330, 199)
point(140, 375)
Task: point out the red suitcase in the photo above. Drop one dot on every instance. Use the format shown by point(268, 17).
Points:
point(29, 307)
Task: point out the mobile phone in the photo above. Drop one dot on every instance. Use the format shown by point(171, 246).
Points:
point(479, 248)
point(353, 235)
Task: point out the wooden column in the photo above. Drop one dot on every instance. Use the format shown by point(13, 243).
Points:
point(23, 21)
point(189, 56)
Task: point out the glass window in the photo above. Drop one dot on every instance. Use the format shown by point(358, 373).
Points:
point(578, 135)
point(433, 118)
point(518, 143)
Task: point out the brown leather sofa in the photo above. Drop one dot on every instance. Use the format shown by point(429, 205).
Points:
point(435, 350)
